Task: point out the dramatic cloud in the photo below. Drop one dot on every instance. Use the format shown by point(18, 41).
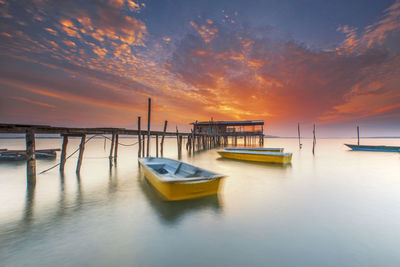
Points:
point(104, 58)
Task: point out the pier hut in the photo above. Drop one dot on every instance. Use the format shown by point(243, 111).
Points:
point(250, 131)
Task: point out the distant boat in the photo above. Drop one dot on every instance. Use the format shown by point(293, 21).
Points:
point(255, 149)
point(19, 155)
point(176, 180)
point(259, 156)
point(374, 148)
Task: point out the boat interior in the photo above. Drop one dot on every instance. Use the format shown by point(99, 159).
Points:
point(170, 168)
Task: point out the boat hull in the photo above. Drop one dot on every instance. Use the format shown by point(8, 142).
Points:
point(267, 149)
point(281, 159)
point(374, 148)
point(173, 191)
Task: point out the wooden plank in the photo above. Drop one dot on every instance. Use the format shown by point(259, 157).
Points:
point(30, 156)
point(63, 153)
point(81, 150)
point(148, 128)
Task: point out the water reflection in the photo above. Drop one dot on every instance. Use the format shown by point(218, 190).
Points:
point(27, 217)
point(172, 212)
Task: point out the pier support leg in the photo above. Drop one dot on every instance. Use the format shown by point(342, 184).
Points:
point(112, 146)
point(30, 158)
point(63, 153)
point(156, 145)
point(116, 148)
point(81, 150)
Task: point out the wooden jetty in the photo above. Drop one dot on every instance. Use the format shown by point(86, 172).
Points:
point(204, 135)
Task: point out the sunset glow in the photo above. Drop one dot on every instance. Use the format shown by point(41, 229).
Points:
point(94, 63)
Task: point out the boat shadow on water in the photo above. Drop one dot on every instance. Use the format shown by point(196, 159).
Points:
point(255, 163)
point(172, 212)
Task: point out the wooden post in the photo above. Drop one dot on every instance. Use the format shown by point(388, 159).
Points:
point(81, 150)
point(143, 144)
point(177, 138)
point(156, 145)
point(116, 147)
point(112, 146)
point(358, 135)
point(148, 128)
point(298, 132)
point(162, 138)
point(139, 137)
point(30, 158)
point(314, 140)
point(63, 152)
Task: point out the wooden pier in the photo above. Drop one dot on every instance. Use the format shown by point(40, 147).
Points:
point(197, 139)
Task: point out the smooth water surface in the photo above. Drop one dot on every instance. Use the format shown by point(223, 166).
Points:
point(336, 208)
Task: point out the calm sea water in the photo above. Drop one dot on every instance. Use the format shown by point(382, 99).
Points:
point(337, 208)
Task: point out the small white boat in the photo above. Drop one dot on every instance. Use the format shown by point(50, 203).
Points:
point(176, 180)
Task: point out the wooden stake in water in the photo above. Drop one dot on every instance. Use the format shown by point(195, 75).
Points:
point(314, 140)
point(162, 138)
point(148, 128)
point(358, 135)
point(139, 137)
point(298, 131)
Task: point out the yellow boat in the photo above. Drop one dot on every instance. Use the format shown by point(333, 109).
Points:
point(270, 149)
point(176, 180)
point(260, 156)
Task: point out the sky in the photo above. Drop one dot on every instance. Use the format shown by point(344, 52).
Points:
point(92, 63)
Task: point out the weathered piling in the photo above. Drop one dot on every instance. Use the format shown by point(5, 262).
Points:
point(112, 146)
point(148, 128)
point(116, 147)
point(162, 138)
point(314, 140)
point(139, 137)
point(30, 158)
point(143, 144)
point(156, 145)
point(358, 135)
point(63, 152)
point(81, 150)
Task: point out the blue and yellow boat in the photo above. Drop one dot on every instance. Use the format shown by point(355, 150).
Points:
point(374, 148)
point(176, 180)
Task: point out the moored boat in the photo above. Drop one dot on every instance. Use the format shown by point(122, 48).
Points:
point(176, 180)
point(270, 149)
point(374, 148)
point(259, 156)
